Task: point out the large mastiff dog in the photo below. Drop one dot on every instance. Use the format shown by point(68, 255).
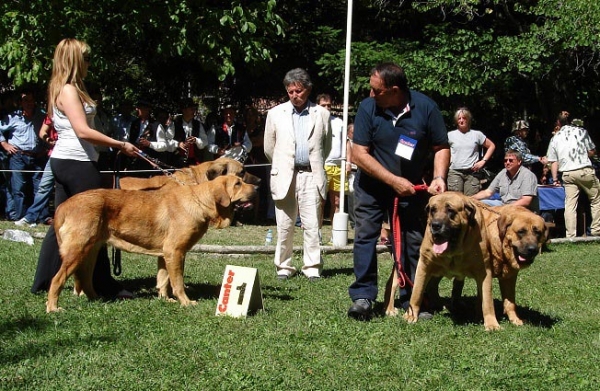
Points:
point(515, 242)
point(166, 222)
point(192, 175)
point(456, 244)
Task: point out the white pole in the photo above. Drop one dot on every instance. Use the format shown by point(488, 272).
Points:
point(340, 219)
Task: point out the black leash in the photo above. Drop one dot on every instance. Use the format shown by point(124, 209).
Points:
point(116, 253)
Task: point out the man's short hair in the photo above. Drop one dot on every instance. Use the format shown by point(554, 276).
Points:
point(321, 97)
point(392, 75)
point(518, 155)
point(297, 76)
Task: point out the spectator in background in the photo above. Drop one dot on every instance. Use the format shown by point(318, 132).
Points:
point(333, 162)
point(517, 142)
point(102, 123)
point(19, 138)
point(39, 209)
point(230, 138)
point(466, 148)
point(516, 184)
point(122, 121)
point(257, 161)
point(157, 140)
point(296, 142)
point(569, 152)
point(189, 136)
point(138, 131)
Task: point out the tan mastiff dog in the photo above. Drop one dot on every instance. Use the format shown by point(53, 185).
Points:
point(456, 244)
point(165, 223)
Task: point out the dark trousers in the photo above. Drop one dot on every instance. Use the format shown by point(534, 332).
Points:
point(371, 199)
point(72, 177)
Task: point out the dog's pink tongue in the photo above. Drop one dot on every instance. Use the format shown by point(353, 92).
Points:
point(521, 259)
point(440, 248)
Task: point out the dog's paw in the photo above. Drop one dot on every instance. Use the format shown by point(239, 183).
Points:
point(391, 312)
point(410, 317)
point(493, 327)
point(517, 321)
point(78, 292)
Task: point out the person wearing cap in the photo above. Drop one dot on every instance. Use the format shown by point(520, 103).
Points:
point(569, 152)
point(517, 142)
point(189, 136)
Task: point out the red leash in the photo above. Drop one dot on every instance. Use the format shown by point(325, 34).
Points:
point(397, 237)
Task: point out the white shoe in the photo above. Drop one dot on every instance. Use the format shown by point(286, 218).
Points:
point(24, 222)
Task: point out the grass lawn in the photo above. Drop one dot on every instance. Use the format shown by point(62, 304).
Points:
point(303, 340)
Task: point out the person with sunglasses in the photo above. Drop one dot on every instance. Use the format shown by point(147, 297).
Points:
point(515, 184)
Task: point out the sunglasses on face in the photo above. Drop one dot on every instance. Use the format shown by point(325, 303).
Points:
point(509, 160)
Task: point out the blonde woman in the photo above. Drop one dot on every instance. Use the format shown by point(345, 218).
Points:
point(465, 147)
point(74, 158)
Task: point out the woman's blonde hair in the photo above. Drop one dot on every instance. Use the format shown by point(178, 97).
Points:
point(464, 112)
point(67, 68)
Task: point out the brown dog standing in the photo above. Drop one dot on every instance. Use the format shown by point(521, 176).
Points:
point(165, 223)
point(192, 175)
point(455, 244)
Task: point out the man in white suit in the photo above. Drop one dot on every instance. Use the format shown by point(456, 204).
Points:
point(297, 140)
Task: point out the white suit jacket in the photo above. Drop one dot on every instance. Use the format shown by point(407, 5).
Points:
point(280, 147)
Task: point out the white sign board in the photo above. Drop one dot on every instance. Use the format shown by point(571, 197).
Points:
point(240, 292)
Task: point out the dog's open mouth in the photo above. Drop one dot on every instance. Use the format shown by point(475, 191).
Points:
point(524, 259)
point(244, 206)
point(439, 248)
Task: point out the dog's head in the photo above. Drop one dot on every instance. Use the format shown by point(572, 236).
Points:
point(522, 234)
point(227, 166)
point(229, 191)
point(450, 215)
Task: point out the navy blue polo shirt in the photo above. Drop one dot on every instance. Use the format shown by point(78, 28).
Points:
point(424, 123)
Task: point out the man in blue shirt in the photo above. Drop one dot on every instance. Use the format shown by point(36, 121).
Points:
point(396, 132)
point(19, 138)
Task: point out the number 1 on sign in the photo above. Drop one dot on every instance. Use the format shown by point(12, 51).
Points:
point(242, 289)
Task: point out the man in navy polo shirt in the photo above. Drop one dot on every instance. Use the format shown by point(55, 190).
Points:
point(397, 132)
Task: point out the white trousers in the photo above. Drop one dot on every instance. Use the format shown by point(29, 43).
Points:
point(302, 198)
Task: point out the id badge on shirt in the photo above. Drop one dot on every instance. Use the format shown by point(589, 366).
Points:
point(406, 147)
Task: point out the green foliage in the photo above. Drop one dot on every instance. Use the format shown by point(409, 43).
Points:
point(142, 45)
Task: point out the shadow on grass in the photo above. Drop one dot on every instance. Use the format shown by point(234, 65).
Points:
point(346, 271)
point(14, 353)
point(468, 311)
point(146, 288)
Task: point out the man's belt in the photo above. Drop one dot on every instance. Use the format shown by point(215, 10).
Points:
point(27, 153)
point(466, 171)
point(303, 168)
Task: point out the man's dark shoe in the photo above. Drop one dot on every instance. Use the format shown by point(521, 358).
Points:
point(361, 309)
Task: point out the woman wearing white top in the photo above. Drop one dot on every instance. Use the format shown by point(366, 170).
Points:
point(465, 147)
point(73, 160)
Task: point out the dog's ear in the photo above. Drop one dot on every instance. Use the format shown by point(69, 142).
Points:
point(216, 169)
point(221, 194)
point(471, 211)
point(504, 221)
